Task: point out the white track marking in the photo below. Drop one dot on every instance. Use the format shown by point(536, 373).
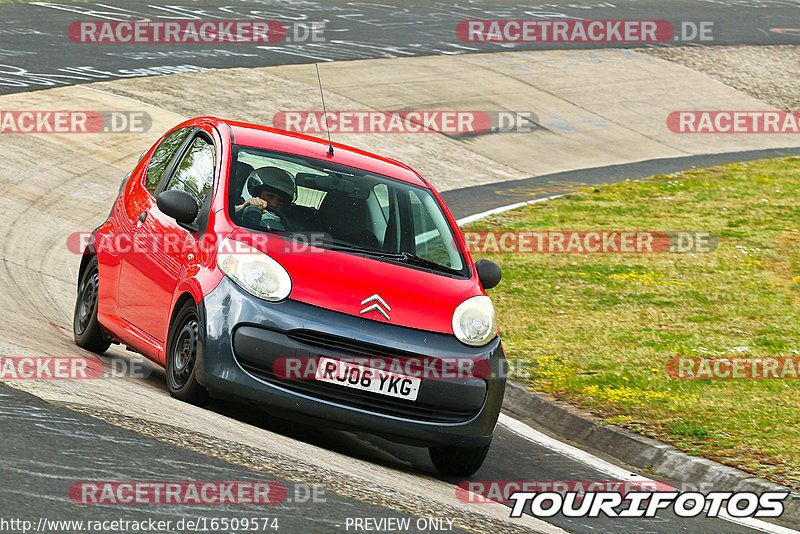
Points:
point(495, 211)
point(618, 473)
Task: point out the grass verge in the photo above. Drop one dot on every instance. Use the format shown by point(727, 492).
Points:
point(597, 330)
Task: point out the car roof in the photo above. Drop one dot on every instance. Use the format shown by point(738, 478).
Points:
point(254, 135)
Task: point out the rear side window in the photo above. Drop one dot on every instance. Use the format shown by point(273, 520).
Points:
point(162, 156)
point(195, 173)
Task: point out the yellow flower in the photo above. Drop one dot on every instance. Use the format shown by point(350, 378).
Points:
point(627, 395)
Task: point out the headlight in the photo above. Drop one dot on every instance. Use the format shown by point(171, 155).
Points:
point(473, 321)
point(253, 271)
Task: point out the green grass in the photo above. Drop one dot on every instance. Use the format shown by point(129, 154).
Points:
point(597, 329)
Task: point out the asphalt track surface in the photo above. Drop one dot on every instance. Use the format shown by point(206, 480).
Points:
point(69, 446)
point(36, 52)
point(46, 448)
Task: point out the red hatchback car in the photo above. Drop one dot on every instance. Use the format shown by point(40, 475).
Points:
point(322, 282)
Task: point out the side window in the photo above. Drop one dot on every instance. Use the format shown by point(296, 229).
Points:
point(195, 173)
point(430, 233)
point(162, 155)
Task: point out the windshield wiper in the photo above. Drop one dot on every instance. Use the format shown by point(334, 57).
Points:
point(413, 259)
point(402, 257)
point(366, 251)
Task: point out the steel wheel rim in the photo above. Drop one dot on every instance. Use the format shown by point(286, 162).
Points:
point(87, 302)
point(184, 353)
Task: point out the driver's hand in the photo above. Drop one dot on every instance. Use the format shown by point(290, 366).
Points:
point(255, 201)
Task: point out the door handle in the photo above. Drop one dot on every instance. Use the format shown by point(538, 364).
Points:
point(142, 216)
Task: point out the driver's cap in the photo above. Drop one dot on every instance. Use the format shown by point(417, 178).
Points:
point(271, 178)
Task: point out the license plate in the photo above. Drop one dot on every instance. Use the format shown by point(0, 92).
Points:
point(364, 378)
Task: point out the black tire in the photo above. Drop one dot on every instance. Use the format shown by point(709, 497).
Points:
point(86, 330)
point(184, 345)
point(458, 461)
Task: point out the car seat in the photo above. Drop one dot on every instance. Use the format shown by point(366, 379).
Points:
point(345, 218)
point(241, 171)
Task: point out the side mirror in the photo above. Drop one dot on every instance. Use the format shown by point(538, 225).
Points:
point(177, 204)
point(488, 273)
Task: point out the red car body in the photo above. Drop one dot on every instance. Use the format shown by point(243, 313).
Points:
point(139, 295)
point(153, 284)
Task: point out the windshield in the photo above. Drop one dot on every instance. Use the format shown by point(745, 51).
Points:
point(358, 212)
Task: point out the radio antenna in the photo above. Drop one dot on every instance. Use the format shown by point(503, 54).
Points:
point(324, 112)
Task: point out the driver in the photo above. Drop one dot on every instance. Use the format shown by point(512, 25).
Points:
point(272, 190)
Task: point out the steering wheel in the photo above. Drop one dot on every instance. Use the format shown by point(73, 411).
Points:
point(252, 216)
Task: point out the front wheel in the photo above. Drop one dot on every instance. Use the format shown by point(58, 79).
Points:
point(86, 331)
point(184, 344)
point(458, 461)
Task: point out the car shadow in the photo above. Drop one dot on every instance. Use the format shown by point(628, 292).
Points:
point(357, 445)
point(347, 443)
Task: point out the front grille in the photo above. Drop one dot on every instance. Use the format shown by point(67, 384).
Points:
point(363, 400)
point(349, 347)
